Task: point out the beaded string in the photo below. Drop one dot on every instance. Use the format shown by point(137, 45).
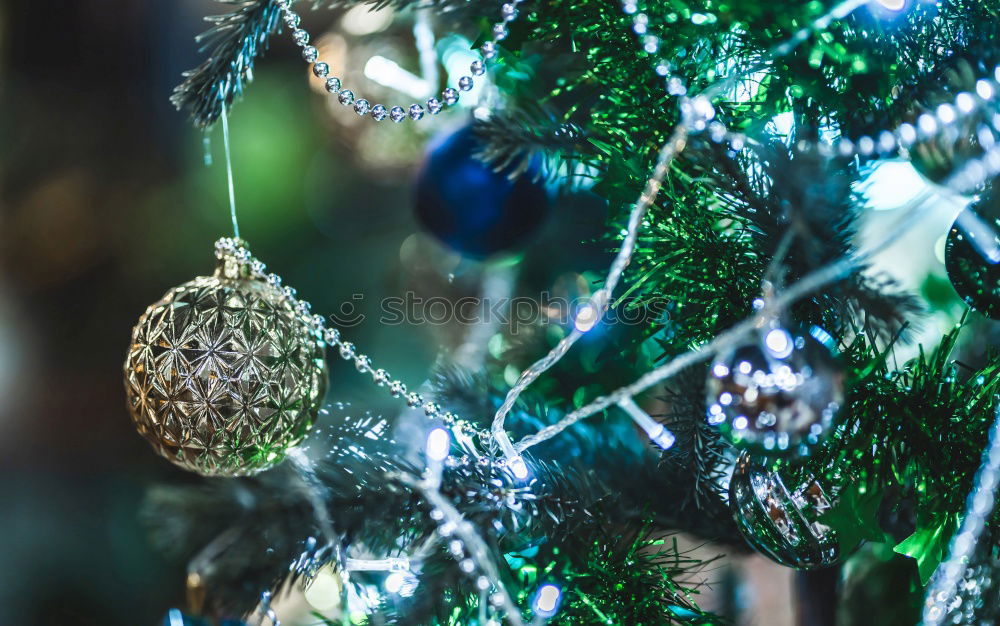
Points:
point(236, 250)
point(434, 105)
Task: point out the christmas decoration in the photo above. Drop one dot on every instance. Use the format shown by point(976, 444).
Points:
point(498, 515)
point(223, 376)
point(782, 521)
point(471, 207)
point(776, 393)
point(972, 255)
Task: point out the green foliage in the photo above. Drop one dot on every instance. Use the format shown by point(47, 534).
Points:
point(914, 436)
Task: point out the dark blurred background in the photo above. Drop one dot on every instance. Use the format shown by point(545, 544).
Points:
point(107, 203)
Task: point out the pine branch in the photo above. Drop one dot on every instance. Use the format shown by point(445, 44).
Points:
point(516, 142)
point(439, 7)
point(255, 527)
point(233, 43)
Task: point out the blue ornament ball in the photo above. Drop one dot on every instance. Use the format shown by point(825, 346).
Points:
point(470, 207)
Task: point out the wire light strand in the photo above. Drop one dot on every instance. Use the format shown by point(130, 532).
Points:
point(978, 508)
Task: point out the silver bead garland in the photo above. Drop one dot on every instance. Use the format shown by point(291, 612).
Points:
point(434, 105)
point(232, 249)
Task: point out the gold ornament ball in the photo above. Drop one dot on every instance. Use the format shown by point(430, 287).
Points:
point(223, 377)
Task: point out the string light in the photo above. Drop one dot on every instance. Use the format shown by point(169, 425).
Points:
point(657, 432)
point(438, 444)
point(391, 564)
point(547, 600)
point(978, 507)
point(586, 318)
point(518, 467)
point(324, 592)
point(401, 583)
point(730, 337)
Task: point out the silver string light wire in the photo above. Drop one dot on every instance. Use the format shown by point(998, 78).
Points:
point(978, 508)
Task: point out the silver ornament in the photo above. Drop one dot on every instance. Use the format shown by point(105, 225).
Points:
point(223, 377)
point(780, 520)
point(777, 393)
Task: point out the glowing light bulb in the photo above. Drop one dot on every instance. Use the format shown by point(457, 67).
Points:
point(394, 582)
point(586, 318)
point(779, 342)
point(547, 600)
point(892, 5)
point(656, 431)
point(438, 444)
point(661, 436)
point(518, 467)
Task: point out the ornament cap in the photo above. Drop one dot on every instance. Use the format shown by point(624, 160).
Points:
point(228, 264)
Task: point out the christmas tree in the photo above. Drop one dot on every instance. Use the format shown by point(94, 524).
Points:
point(740, 369)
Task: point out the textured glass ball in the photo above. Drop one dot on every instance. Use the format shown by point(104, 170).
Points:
point(781, 519)
point(222, 376)
point(777, 392)
point(967, 257)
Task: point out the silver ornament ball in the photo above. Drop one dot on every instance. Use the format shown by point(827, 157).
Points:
point(777, 393)
point(223, 376)
point(782, 520)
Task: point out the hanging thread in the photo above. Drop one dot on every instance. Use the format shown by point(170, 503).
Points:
point(229, 172)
